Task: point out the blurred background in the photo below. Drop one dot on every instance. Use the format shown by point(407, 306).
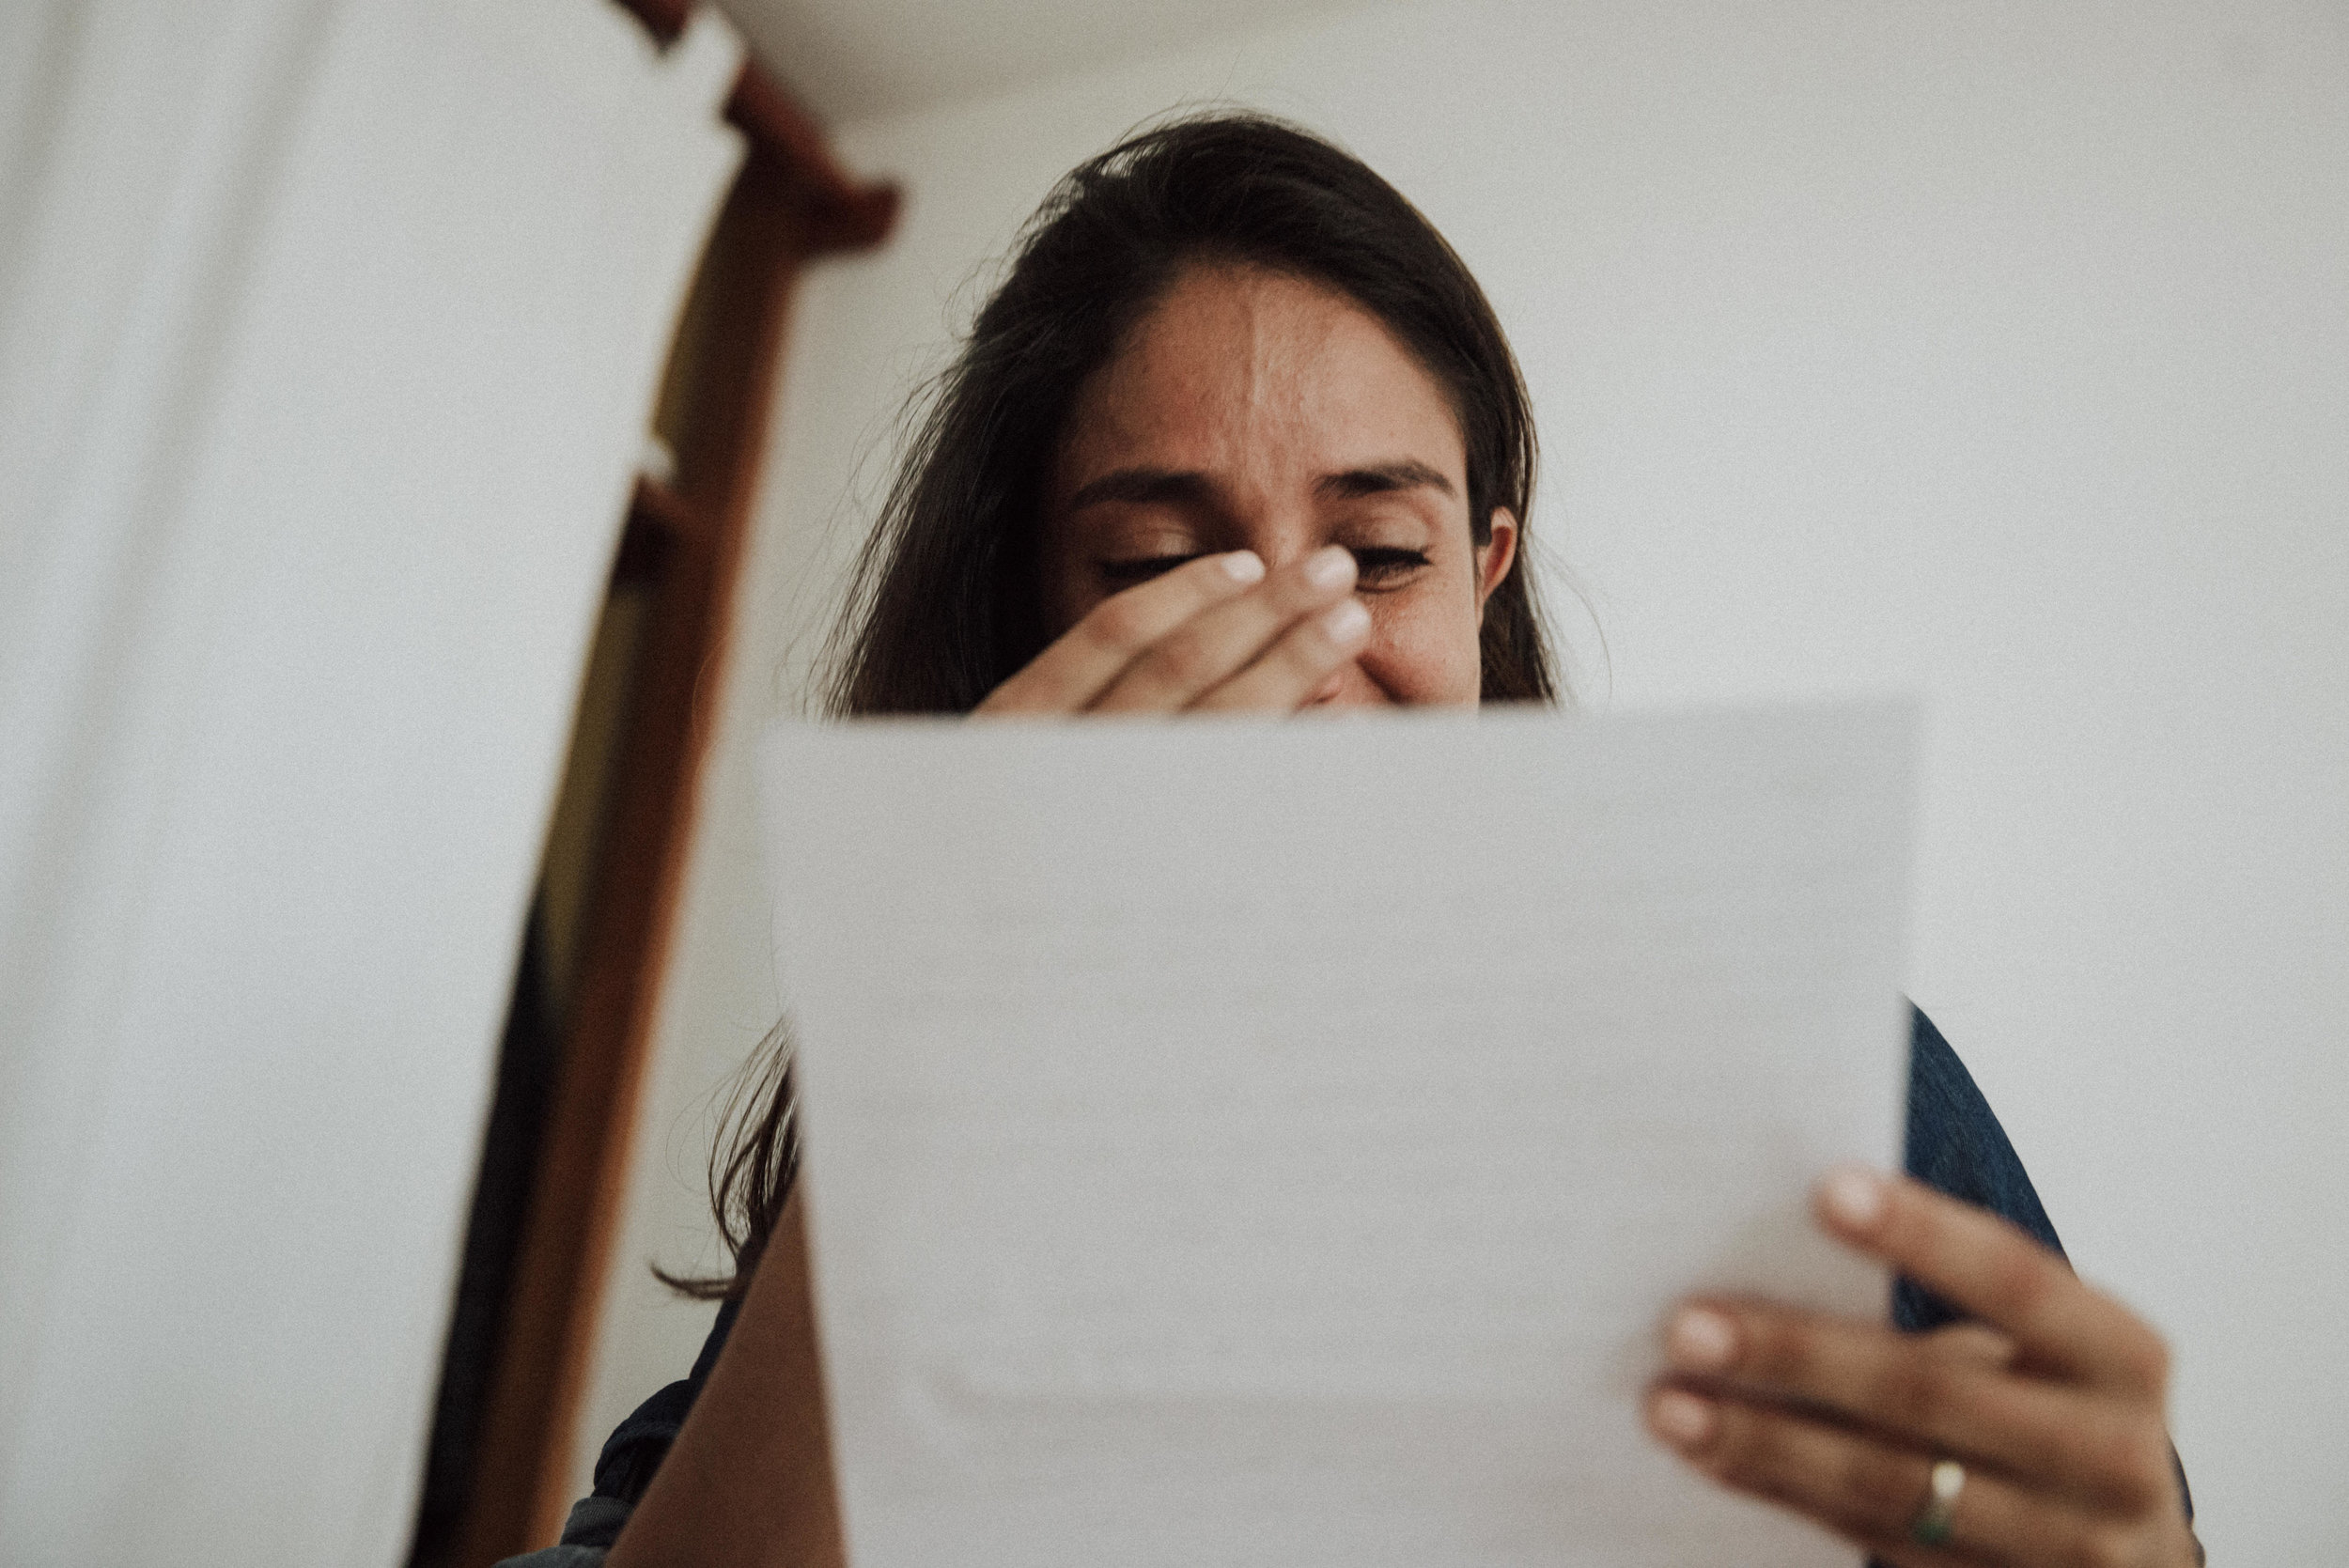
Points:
point(433, 436)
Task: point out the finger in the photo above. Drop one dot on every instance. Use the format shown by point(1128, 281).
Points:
point(1295, 667)
point(1872, 1493)
point(1068, 677)
point(1212, 648)
point(1948, 1392)
point(1999, 1274)
point(1975, 1344)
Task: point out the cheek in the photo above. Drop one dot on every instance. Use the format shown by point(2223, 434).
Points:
point(1423, 649)
point(1069, 591)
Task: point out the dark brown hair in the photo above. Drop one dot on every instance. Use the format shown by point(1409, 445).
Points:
point(945, 602)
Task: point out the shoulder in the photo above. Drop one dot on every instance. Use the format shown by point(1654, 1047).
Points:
point(587, 1535)
point(1956, 1145)
point(625, 1465)
point(623, 1469)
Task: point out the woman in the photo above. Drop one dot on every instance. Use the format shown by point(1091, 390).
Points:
point(1239, 431)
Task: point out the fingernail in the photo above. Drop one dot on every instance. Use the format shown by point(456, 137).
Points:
point(1245, 566)
point(1680, 1418)
point(1701, 1340)
point(1853, 1195)
point(1346, 622)
point(1331, 567)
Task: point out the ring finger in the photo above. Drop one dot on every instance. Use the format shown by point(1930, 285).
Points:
point(1863, 1490)
point(1936, 1390)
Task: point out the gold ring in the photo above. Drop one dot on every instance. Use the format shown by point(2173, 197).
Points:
point(1931, 1528)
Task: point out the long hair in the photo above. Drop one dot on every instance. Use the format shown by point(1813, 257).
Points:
point(945, 602)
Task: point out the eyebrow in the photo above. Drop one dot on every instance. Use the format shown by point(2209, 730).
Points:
point(1142, 486)
point(1381, 478)
point(1167, 487)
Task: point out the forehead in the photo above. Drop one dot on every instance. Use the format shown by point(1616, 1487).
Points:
point(1240, 368)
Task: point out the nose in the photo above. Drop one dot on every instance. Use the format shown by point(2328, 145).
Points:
point(1279, 527)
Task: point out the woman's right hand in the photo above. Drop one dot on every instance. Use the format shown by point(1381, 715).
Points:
point(1216, 634)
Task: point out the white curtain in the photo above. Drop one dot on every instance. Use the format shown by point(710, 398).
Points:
point(328, 331)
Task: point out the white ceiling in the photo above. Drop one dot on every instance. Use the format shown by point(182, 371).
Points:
point(862, 59)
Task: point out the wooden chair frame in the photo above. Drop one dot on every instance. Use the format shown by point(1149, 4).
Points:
point(682, 544)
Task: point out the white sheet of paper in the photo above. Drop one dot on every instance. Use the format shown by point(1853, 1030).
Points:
point(1236, 1144)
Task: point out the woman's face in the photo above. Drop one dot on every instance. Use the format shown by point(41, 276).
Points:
point(1251, 410)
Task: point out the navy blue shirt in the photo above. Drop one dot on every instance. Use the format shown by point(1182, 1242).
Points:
point(1953, 1144)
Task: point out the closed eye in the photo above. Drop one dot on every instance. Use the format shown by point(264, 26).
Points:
point(1373, 564)
point(1377, 565)
point(1141, 568)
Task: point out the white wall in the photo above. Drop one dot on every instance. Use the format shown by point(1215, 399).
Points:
point(2000, 352)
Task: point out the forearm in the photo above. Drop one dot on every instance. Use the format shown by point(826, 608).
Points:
point(749, 1479)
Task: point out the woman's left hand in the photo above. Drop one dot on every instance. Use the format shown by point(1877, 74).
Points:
point(2053, 1403)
